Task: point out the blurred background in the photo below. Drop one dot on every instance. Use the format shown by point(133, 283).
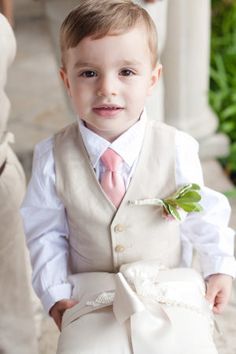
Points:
point(222, 94)
point(39, 106)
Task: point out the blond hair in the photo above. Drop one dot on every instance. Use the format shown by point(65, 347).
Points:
point(98, 18)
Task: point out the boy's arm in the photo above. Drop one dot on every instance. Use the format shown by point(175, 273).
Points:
point(207, 231)
point(46, 230)
point(214, 241)
point(210, 235)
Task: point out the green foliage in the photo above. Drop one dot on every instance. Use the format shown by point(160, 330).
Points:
point(231, 193)
point(222, 93)
point(186, 198)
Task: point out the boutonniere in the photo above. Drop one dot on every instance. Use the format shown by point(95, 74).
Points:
point(184, 200)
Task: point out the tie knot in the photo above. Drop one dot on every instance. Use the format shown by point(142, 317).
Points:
point(111, 160)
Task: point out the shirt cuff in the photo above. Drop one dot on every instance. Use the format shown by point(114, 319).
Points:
point(54, 294)
point(218, 264)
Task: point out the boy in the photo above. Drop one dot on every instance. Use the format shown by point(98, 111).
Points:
point(77, 212)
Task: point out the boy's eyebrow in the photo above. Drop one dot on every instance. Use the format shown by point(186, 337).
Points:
point(125, 62)
point(80, 64)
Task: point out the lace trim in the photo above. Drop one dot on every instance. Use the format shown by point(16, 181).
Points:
point(105, 298)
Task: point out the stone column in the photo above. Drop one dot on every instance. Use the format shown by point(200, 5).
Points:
point(186, 75)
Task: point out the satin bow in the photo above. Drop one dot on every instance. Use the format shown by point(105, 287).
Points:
point(142, 293)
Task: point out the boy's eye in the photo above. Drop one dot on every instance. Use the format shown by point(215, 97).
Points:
point(126, 72)
point(88, 73)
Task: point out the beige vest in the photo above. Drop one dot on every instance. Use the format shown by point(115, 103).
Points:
point(101, 237)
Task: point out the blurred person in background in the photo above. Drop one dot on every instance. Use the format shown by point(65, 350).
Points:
point(17, 333)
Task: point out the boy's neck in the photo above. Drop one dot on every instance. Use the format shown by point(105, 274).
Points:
point(109, 137)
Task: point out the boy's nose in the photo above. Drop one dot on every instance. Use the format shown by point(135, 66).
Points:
point(106, 87)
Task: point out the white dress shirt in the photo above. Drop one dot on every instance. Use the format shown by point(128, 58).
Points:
point(46, 225)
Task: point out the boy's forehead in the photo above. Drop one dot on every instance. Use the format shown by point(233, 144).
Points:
point(123, 36)
point(129, 47)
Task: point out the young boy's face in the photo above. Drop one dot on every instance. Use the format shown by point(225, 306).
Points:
point(108, 80)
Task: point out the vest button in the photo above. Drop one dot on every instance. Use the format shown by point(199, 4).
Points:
point(119, 248)
point(119, 228)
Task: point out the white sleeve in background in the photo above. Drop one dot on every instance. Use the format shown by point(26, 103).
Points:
point(207, 231)
point(46, 230)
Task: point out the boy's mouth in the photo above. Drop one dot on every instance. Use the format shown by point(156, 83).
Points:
point(107, 110)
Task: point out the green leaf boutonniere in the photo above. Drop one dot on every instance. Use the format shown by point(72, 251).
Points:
point(184, 200)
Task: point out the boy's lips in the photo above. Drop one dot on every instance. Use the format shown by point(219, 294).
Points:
point(107, 110)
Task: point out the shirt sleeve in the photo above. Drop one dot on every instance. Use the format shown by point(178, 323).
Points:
point(46, 230)
point(205, 231)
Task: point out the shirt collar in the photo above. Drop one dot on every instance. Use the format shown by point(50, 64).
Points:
point(127, 145)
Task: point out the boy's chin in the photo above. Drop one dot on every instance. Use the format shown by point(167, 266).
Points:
point(111, 128)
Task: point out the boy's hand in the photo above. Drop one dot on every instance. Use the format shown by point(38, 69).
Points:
point(218, 291)
point(59, 308)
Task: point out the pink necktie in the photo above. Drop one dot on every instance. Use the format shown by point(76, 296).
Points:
point(111, 180)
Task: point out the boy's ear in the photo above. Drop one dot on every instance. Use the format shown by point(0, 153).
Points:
point(156, 73)
point(65, 80)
